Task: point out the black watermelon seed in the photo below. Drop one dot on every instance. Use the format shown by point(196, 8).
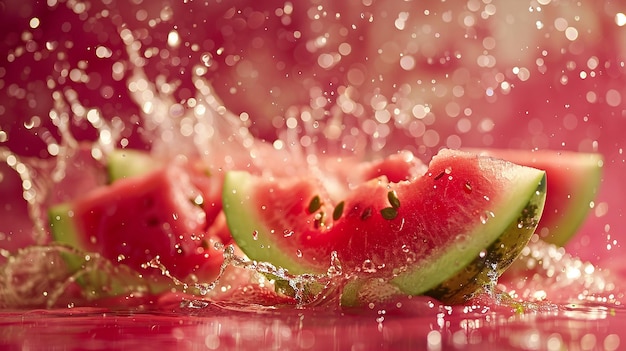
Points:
point(338, 211)
point(389, 213)
point(393, 199)
point(315, 204)
point(367, 213)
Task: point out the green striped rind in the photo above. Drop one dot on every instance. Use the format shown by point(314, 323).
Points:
point(244, 222)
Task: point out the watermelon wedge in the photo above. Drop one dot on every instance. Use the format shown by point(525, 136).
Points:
point(574, 178)
point(139, 218)
point(445, 233)
point(130, 163)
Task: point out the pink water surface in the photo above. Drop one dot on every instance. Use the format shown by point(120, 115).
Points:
point(427, 327)
point(548, 86)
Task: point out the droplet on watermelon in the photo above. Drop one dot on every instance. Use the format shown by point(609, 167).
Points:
point(414, 251)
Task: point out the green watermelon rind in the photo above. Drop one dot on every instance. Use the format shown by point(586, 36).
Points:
point(129, 163)
point(244, 223)
point(64, 231)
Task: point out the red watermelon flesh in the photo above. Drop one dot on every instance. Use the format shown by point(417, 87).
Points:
point(130, 163)
point(419, 231)
point(138, 219)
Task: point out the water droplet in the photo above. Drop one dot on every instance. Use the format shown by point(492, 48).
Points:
point(461, 241)
point(299, 253)
point(255, 234)
point(287, 233)
point(484, 218)
point(207, 59)
point(467, 187)
point(368, 266)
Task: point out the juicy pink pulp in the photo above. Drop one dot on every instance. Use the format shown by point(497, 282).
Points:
point(168, 214)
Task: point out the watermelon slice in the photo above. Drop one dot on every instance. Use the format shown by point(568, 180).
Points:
point(140, 218)
point(445, 233)
point(129, 163)
point(574, 181)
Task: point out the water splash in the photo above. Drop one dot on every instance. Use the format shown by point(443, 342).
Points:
point(545, 272)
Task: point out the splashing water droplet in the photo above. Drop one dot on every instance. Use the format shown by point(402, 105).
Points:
point(207, 59)
point(467, 187)
point(368, 266)
point(461, 241)
point(485, 216)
